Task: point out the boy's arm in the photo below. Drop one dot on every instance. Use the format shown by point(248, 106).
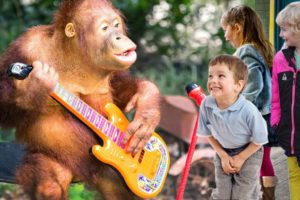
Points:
point(226, 160)
point(239, 159)
point(217, 146)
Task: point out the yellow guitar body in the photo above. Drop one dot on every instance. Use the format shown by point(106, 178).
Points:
point(146, 172)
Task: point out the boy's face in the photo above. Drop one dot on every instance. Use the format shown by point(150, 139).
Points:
point(221, 83)
point(290, 38)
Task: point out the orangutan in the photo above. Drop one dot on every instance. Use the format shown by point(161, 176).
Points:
point(85, 49)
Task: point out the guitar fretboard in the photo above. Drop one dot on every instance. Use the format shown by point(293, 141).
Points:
point(103, 127)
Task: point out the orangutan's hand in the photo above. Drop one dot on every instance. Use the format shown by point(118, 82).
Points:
point(33, 91)
point(147, 116)
point(43, 75)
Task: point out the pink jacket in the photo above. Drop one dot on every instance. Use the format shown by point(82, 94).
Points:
point(285, 108)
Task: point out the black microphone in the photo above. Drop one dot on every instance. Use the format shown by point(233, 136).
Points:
point(19, 70)
point(195, 92)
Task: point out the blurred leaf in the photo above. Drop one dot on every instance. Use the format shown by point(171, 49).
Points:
point(78, 192)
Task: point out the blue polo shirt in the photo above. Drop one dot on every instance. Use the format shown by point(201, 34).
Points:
point(234, 126)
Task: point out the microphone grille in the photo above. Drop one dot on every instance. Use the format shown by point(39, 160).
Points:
point(191, 86)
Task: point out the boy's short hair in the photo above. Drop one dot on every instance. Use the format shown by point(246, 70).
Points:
point(290, 16)
point(236, 65)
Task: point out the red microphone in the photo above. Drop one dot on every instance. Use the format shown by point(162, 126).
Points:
point(195, 92)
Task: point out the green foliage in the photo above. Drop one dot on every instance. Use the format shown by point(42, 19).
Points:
point(7, 135)
point(79, 192)
point(76, 192)
point(250, 3)
point(181, 38)
point(16, 17)
point(173, 77)
point(6, 187)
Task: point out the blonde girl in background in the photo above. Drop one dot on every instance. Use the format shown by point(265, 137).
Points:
point(285, 115)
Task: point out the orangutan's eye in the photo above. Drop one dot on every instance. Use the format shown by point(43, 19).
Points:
point(116, 23)
point(104, 26)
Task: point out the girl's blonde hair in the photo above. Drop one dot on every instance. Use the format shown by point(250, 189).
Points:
point(290, 16)
point(252, 29)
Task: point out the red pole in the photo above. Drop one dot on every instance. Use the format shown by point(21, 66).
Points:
point(188, 162)
point(195, 92)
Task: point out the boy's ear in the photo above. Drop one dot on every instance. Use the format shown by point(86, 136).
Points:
point(240, 86)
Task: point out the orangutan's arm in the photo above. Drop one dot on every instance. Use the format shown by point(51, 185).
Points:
point(145, 98)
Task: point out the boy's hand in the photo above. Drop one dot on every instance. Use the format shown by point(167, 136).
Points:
point(227, 165)
point(238, 162)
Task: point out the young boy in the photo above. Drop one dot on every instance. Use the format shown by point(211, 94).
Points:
point(235, 129)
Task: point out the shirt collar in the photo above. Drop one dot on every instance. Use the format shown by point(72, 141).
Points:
point(211, 103)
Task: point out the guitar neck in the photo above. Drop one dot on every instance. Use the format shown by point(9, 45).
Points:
point(89, 116)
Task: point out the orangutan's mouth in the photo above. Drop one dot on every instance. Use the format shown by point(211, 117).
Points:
point(127, 57)
point(127, 52)
point(124, 53)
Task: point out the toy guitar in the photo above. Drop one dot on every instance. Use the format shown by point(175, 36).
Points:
point(145, 173)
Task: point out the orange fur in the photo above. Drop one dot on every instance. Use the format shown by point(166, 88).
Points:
point(57, 143)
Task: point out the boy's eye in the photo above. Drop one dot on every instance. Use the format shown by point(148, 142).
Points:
point(221, 75)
